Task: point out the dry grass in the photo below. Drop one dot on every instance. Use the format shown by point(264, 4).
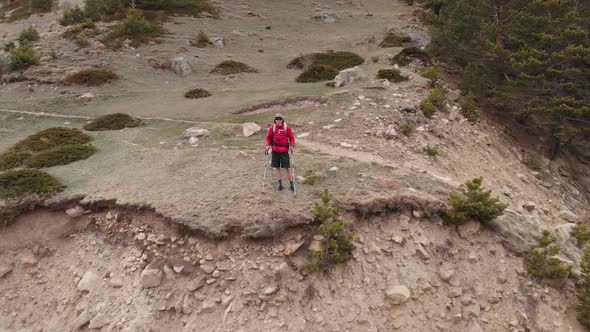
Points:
point(91, 77)
point(230, 67)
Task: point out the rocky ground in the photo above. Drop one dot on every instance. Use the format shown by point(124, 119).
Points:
point(166, 239)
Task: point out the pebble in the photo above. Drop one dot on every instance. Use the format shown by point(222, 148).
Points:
point(398, 294)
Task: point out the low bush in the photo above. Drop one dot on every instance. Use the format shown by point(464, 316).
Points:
point(97, 9)
point(393, 39)
point(473, 202)
point(410, 53)
point(581, 233)
point(82, 41)
point(432, 151)
point(61, 155)
point(337, 246)
point(202, 40)
point(42, 5)
point(12, 159)
point(230, 67)
point(197, 93)
point(179, 7)
point(87, 27)
point(540, 261)
point(51, 138)
point(116, 121)
point(310, 177)
point(134, 27)
point(374, 59)
point(8, 46)
point(583, 291)
point(392, 75)
point(23, 56)
point(432, 74)
point(533, 162)
point(29, 34)
point(317, 73)
point(19, 184)
point(427, 108)
point(407, 128)
point(71, 16)
point(437, 97)
point(91, 77)
point(468, 108)
point(336, 60)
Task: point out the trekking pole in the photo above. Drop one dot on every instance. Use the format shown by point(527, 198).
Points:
point(292, 161)
point(265, 168)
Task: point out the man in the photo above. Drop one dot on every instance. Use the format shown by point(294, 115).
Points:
point(281, 138)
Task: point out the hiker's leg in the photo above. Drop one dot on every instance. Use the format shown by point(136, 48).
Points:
point(279, 174)
point(289, 173)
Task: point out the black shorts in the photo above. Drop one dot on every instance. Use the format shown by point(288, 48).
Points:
point(280, 160)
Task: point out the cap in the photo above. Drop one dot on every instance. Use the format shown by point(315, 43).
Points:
point(279, 115)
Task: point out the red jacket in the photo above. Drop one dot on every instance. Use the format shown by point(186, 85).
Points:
point(279, 139)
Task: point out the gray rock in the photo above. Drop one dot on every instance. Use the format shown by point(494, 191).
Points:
point(468, 229)
point(568, 215)
point(169, 273)
point(87, 97)
point(292, 247)
point(116, 282)
point(270, 290)
point(75, 212)
point(349, 76)
point(197, 283)
point(398, 294)
point(518, 232)
point(217, 41)
point(327, 17)
point(422, 253)
point(250, 128)
point(150, 277)
point(180, 66)
point(388, 132)
point(4, 61)
point(81, 320)
point(506, 191)
point(445, 272)
point(99, 321)
point(88, 282)
point(195, 132)
point(208, 305)
point(208, 268)
point(529, 206)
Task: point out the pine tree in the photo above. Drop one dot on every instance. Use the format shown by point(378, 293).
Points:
point(583, 291)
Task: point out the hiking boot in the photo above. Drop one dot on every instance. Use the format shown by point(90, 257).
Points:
point(292, 185)
point(280, 187)
point(291, 188)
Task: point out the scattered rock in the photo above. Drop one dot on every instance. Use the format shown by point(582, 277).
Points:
point(349, 76)
point(99, 321)
point(292, 247)
point(28, 260)
point(75, 212)
point(270, 290)
point(116, 283)
point(506, 191)
point(217, 42)
point(388, 133)
point(317, 243)
point(193, 141)
point(446, 272)
point(87, 97)
point(326, 17)
point(417, 214)
point(568, 215)
point(197, 283)
point(161, 62)
point(88, 282)
point(468, 229)
point(81, 320)
point(168, 272)
point(333, 169)
point(529, 206)
point(195, 132)
point(208, 268)
point(150, 277)
point(140, 236)
point(422, 253)
point(250, 128)
point(208, 305)
point(180, 66)
point(346, 145)
point(398, 294)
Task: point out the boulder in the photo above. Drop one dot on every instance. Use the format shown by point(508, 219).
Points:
point(518, 232)
point(195, 132)
point(150, 277)
point(326, 17)
point(180, 66)
point(75, 212)
point(398, 294)
point(349, 76)
point(388, 133)
point(217, 41)
point(250, 128)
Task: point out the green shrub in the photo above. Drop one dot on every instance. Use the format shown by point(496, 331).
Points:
point(97, 9)
point(12, 159)
point(51, 138)
point(71, 16)
point(392, 75)
point(374, 59)
point(432, 74)
point(116, 121)
point(87, 27)
point(42, 5)
point(8, 46)
point(29, 34)
point(408, 54)
point(202, 40)
point(179, 7)
point(533, 162)
point(91, 77)
point(317, 73)
point(310, 177)
point(407, 128)
point(134, 27)
point(393, 39)
point(336, 60)
point(540, 261)
point(197, 93)
point(19, 184)
point(437, 98)
point(337, 237)
point(581, 233)
point(230, 67)
point(432, 151)
point(82, 41)
point(22, 57)
point(473, 202)
point(427, 108)
point(583, 291)
point(61, 155)
point(468, 108)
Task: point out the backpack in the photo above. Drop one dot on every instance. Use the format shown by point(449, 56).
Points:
point(274, 129)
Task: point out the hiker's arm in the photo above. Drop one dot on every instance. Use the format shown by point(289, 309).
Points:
point(268, 137)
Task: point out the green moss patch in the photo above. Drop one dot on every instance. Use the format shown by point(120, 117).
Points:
point(336, 60)
point(317, 73)
point(51, 138)
point(12, 159)
point(116, 121)
point(230, 67)
point(25, 182)
point(91, 77)
point(408, 54)
point(197, 93)
point(61, 155)
point(393, 39)
point(392, 75)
